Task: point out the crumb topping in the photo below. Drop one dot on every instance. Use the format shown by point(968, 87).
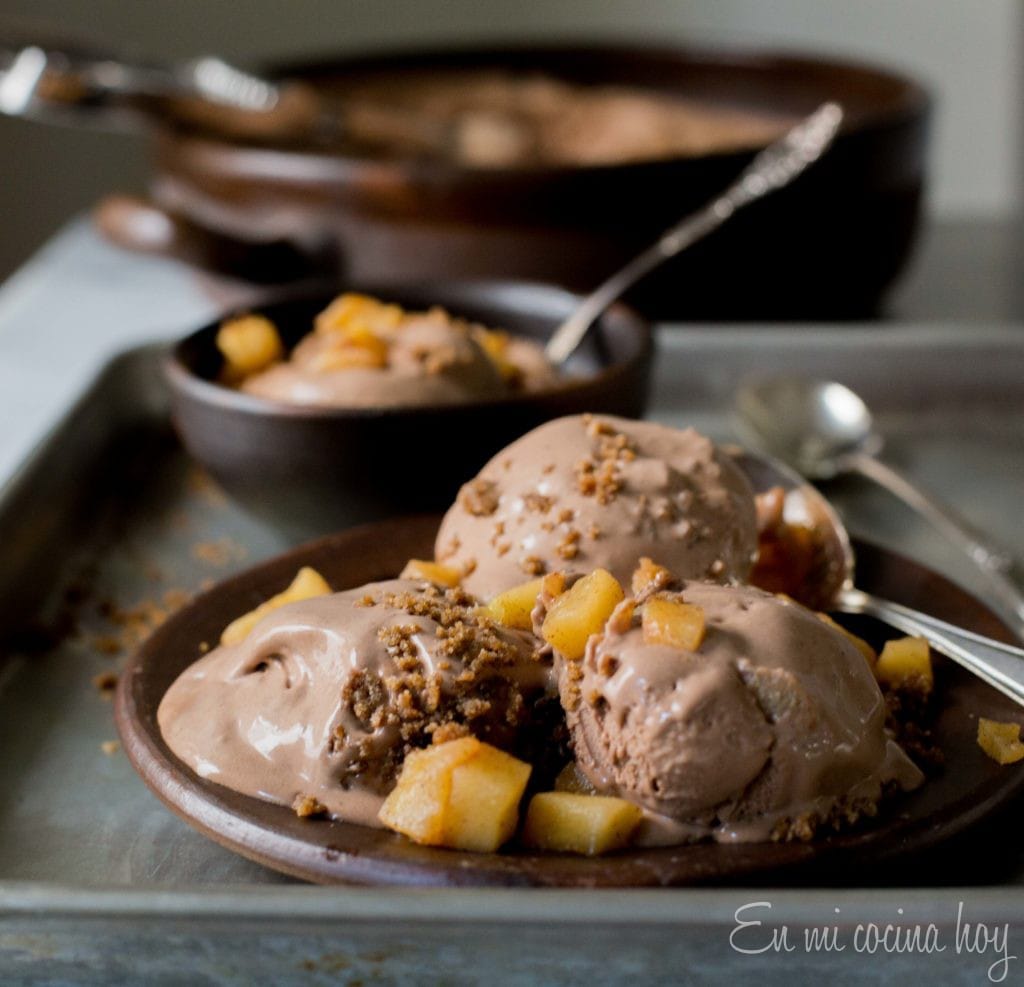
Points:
point(569, 547)
point(479, 497)
point(538, 502)
point(306, 806)
point(459, 697)
point(599, 475)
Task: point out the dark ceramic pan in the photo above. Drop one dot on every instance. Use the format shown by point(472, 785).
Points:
point(825, 248)
point(969, 786)
point(313, 470)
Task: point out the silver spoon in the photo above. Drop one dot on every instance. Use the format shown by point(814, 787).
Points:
point(822, 428)
point(773, 168)
point(1000, 665)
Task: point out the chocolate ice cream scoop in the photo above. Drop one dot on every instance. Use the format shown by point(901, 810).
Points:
point(432, 360)
point(325, 697)
point(772, 726)
point(584, 492)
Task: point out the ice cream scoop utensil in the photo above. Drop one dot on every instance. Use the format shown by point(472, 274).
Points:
point(773, 168)
point(821, 428)
point(1000, 665)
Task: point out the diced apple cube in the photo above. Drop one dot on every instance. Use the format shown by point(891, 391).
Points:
point(483, 807)
point(647, 573)
point(553, 584)
point(580, 612)
point(434, 572)
point(587, 824)
point(351, 309)
point(306, 584)
point(905, 663)
point(462, 794)
point(869, 653)
point(513, 607)
point(674, 623)
point(1001, 741)
point(249, 344)
point(416, 805)
point(494, 343)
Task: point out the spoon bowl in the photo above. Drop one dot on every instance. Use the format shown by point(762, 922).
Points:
point(822, 429)
point(813, 425)
point(1000, 665)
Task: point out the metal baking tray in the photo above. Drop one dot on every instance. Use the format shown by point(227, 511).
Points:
point(108, 526)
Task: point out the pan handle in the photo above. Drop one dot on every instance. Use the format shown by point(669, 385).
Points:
point(138, 223)
point(74, 85)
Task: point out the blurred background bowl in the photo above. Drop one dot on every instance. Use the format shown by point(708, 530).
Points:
point(826, 248)
point(313, 470)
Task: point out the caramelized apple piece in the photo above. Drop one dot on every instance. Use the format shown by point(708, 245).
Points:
point(483, 807)
point(1001, 741)
point(905, 663)
point(580, 612)
point(434, 572)
point(587, 824)
point(869, 653)
point(248, 344)
point(648, 574)
point(494, 343)
point(416, 805)
point(462, 794)
point(306, 584)
point(513, 607)
point(672, 622)
point(553, 584)
point(352, 310)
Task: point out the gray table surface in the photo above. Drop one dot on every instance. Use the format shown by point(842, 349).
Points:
point(79, 302)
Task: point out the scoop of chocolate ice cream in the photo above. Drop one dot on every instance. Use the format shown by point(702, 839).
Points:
point(772, 726)
point(432, 359)
point(584, 492)
point(324, 697)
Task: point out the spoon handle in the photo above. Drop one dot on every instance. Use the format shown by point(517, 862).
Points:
point(1000, 665)
point(775, 167)
point(993, 563)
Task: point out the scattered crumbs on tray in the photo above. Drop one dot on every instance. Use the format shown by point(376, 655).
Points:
point(106, 683)
point(110, 747)
point(219, 553)
point(107, 644)
point(135, 623)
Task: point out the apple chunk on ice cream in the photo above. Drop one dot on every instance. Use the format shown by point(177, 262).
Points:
point(582, 492)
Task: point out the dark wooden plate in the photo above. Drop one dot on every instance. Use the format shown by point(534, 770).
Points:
point(969, 787)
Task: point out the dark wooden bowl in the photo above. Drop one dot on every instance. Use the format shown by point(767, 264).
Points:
point(313, 470)
point(969, 787)
point(825, 248)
